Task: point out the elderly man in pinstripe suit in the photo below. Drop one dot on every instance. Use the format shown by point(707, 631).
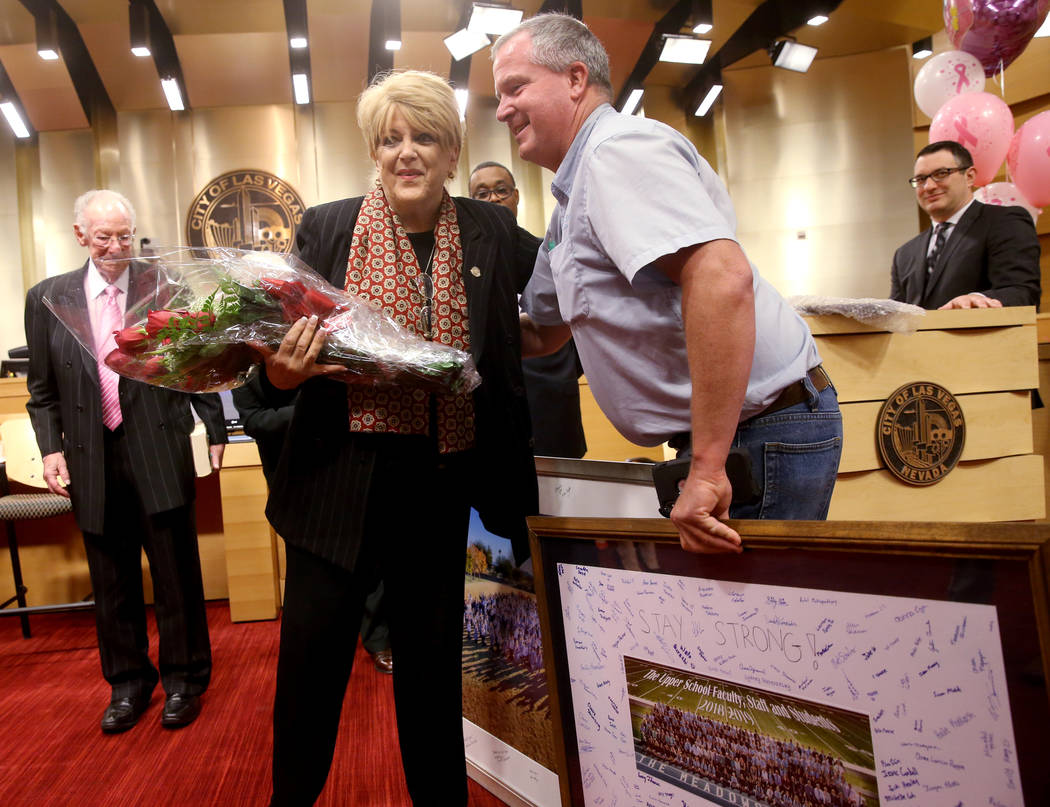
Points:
point(121, 450)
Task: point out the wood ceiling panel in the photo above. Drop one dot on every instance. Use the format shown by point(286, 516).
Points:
point(132, 82)
point(16, 24)
point(338, 49)
point(185, 17)
point(235, 69)
point(423, 50)
point(45, 89)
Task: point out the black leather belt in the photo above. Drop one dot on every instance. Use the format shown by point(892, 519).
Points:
point(789, 396)
point(797, 393)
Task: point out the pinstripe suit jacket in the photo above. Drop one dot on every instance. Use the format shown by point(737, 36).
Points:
point(66, 410)
point(322, 480)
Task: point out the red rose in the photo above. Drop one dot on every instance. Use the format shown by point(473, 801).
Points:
point(131, 366)
point(132, 340)
point(298, 301)
point(319, 303)
point(156, 321)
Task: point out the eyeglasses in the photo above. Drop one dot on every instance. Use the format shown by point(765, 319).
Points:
point(497, 194)
point(102, 240)
point(937, 176)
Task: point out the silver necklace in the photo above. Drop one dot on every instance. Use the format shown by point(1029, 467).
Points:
point(426, 283)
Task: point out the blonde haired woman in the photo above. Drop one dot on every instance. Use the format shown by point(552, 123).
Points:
point(378, 483)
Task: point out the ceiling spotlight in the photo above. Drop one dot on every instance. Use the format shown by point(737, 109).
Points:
point(138, 28)
point(632, 102)
point(465, 42)
point(393, 44)
point(791, 55)
point(301, 87)
point(14, 120)
point(684, 49)
point(47, 35)
point(818, 19)
point(173, 94)
point(493, 19)
point(922, 48)
point(702, 17)
point(297, 42)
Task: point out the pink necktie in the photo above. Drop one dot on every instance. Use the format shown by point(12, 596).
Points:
point(109, 321)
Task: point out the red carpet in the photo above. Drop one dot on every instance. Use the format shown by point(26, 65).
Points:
point(52, 752)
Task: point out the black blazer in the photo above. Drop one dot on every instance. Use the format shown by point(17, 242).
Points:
point(66, 410)
point(993, 250)
point(321, 483)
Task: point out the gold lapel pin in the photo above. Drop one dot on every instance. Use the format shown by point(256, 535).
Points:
point(475, 271)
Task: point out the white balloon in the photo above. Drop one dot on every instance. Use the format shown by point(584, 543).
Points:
point(946, 75)
point(1005, 194)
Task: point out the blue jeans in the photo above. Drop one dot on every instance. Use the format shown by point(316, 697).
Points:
point(794, 458)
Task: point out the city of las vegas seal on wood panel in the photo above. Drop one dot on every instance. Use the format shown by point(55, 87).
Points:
point(920, 433)
point(245, 209)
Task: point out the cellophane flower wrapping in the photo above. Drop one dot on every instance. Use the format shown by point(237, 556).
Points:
point(194, 314)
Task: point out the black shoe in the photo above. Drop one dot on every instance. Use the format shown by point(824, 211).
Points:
point(180, 710)
point(123, 713)
point(384, 661)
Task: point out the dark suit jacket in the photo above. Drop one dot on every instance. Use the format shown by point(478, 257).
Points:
point(265, 424)
point(321, 482)
point(66, 410)
point(993, 250)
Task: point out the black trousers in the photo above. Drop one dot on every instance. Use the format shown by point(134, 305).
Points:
point(115, 566)
point(415, 536)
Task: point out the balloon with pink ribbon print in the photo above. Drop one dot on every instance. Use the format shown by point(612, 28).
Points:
point(946, 75)
point(1005, 194)
point(1028, 159)
point(981, 122)
point(995, 31)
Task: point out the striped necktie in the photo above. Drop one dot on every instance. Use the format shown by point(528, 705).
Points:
point(940, 235)
point(109, 321)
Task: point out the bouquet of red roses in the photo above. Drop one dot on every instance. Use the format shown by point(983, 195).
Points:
point(193, 315)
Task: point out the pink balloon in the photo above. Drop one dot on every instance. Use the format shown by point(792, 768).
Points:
point(982, 123)
point(1028, 159)
point(946, 75)
point(1005, 194)
point(995, 31)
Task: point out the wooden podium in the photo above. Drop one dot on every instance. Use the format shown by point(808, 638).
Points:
point(988, 359)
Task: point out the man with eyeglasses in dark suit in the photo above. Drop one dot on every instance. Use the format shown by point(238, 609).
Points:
point(975, 255)
point(551, 382)
point(121, 450)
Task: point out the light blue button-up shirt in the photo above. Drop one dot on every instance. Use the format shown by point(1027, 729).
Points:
point(629, 191)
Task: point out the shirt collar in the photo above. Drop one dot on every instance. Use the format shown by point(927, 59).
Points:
point(953, 219)
point(561, 187)
point(96, 284)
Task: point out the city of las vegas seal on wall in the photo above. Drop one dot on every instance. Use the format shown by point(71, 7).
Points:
point(245, 209)
point(920, 433)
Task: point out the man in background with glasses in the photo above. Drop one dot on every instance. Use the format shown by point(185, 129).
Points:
point(120, 449)
point(974, 255)
point(552, 383)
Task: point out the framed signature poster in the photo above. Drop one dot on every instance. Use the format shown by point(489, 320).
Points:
point(831, 663)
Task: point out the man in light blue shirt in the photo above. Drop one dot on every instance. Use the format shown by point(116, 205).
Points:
point(678, 334)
